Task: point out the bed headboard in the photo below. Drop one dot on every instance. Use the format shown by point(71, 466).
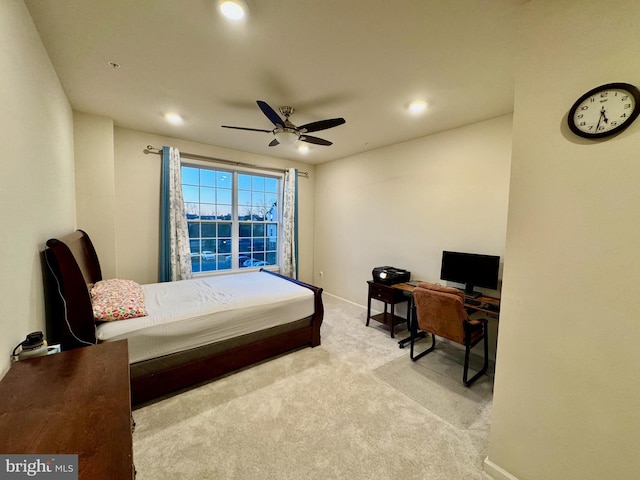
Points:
point(71, 265)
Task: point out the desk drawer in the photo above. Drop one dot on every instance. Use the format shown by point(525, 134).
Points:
point(385, 293)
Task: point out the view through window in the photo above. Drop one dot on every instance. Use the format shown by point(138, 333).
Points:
point(232, 217)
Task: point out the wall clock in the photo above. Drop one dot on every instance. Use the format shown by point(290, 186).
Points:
point(605, 110)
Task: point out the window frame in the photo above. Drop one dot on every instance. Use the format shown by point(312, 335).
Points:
point(235, 221)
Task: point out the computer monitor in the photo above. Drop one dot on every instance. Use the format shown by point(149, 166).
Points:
point(472, 269)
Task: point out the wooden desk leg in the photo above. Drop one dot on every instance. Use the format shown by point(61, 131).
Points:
point(393, 307)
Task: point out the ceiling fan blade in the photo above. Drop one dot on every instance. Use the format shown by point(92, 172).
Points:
point(274, 142)
point(316, 140)
point(321, 125)
point(270, 113)
point(246, 128)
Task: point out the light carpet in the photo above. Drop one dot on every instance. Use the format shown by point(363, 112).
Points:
point(435, 381)
point(316, 413)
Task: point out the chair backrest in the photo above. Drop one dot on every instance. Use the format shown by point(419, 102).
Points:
point(440, 310)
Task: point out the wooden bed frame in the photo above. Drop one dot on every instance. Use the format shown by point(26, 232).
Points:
point(72, 266)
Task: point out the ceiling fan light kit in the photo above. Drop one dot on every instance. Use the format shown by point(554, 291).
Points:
point(418, 106)
point(287, 133)
point(173, 118)
point(287, 136)
point(233, 9)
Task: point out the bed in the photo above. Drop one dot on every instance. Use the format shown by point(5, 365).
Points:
point(193, 330)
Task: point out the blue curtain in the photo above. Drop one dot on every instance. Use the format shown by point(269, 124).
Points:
point(165, 242)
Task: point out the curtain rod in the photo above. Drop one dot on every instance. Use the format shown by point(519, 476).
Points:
point(193, 156)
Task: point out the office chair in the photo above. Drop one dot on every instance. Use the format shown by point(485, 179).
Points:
point(440, 311)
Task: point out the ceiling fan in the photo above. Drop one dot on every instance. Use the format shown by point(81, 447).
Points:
point(287, 133)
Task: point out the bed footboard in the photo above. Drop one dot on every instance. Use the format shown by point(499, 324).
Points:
point(151, 386)
point(319, 306)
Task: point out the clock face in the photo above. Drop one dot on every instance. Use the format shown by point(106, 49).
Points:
point(605, 110)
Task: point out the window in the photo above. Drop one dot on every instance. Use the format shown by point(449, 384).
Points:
point(233, 218)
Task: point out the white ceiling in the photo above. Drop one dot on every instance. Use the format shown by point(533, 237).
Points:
point(363, 60)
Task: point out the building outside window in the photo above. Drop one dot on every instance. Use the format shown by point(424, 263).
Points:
point(233, 218)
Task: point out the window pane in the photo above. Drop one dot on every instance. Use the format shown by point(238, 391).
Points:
point(190, 193)
point(224, 196)
point(207, 211)
point(258, 230)
point(224, 245)
point(271, 185)
point(271, 200)
point(223, 179)
point(190, 175)
point(224, 230)
point(194, 230)
point(207, 195)
point(258, 244)
point(193, 210)
point(244, 182)
point(257, 199)
point(195, 263)
point(257, 183)
point(208, 229)
point(244, 197)
point(224, 212)
point(245, 229)
point(208, 246)
point(207, 178)
point(244, 213)
point(245, 245)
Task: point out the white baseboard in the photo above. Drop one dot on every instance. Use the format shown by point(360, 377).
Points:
point(496, 472)
point(324, 292)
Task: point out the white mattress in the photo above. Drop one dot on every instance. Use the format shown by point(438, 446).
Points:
point(191, 313)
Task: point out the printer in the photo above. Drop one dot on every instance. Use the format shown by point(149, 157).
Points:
point(390, 275)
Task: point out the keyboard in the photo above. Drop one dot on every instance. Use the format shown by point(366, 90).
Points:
point(472, 301)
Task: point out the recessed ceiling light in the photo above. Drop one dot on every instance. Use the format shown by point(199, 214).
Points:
point(233, 9)
point(417, 106)
point(173, 118)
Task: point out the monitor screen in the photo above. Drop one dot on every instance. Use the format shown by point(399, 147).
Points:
point(472, 269)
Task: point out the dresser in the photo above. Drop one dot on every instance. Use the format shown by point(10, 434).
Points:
point(73, 402)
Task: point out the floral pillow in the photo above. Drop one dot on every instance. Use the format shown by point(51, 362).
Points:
point(117, 299)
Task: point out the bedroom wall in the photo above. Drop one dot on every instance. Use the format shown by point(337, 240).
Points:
point(137, 193)
point(37, 199)
point(566, 388)
point(95, 185)
point(403, 205)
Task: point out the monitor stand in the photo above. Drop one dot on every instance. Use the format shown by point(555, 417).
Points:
point(470, 293)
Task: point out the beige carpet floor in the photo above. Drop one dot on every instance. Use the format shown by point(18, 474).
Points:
point(435, 381)
point(338, 411)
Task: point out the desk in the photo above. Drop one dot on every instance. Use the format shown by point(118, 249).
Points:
point(389, 296)
point(484, 300)
point(481, 306)
point(73, 402)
